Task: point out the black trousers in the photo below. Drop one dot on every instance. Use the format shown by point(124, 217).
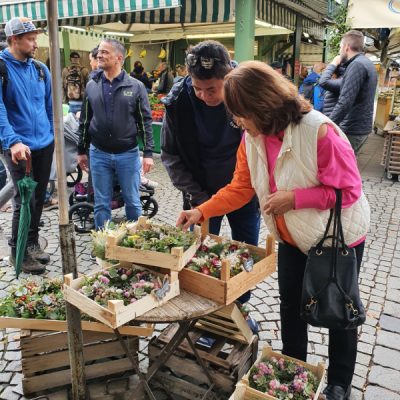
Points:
point(342, 343)
point(40, 172)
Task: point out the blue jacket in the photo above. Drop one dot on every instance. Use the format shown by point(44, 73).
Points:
point(317, 92)
point(26, 114)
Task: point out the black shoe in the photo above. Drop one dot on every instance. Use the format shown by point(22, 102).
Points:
point(336, 392)
point(38, 254)
point(30, 265)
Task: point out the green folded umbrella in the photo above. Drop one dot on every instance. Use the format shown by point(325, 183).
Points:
point(26, 186)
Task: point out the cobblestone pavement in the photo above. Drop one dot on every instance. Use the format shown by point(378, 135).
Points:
point(377, 373)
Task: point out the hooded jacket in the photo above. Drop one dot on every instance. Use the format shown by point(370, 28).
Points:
point(311, 87)
point(354, 110)
point(131, 117)
point(26, 113)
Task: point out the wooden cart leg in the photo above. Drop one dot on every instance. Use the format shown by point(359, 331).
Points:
point(142, 377)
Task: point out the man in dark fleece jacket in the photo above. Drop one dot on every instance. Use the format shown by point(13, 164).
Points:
point(115, 111)
point(355, 107)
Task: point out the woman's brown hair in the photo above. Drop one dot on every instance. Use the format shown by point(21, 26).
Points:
point(255, 91)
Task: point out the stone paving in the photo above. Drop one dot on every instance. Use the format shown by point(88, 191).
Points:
point(377, 373)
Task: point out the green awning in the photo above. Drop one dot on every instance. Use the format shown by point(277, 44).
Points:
point(82, 12)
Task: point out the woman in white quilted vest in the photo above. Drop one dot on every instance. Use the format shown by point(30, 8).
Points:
point(293, 158)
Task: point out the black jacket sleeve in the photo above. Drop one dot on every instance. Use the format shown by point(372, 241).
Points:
point(84, 123)
point(352, 82)
point(144, 121)
point(326, 81)
point(180, 176)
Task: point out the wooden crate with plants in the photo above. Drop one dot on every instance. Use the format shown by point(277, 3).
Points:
point(274, 376)
point(120, 293)
point(222, 270)
point(147, 243)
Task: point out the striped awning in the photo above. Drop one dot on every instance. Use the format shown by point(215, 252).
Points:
point(82, 12)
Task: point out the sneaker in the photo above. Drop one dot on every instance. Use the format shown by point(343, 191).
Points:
point(92, 256)
point(149, 183)
point(30, 265)
point(38, 254)
point(253, 325)
point(52, 204)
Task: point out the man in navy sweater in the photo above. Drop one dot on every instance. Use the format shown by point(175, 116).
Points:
point(26, 130)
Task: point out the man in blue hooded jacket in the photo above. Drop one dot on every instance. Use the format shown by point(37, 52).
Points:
point(311, 89)
point(26, 130)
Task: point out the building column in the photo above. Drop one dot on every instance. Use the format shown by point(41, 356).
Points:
point(296, 49)
point(245, 11)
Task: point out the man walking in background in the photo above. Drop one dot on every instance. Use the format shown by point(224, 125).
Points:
point(26, 129)
point(354, 110)
point(115, 111)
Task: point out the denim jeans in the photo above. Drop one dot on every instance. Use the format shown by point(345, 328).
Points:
point(357, 141)
point(342, 347)
point(104, 167)
point(41, 164)
point(3, 175)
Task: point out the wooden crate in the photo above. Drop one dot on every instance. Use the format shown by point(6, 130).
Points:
point(116, 313)
point(174, 261)
point(227, 361)
point(61, 326)
point(46, 364)
point(267, 352)
point(227, 289)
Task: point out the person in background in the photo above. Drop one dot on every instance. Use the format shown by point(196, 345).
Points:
point(94, 64)
point(354, 110)
point(115, 111)
point(331, 81)
point(199, 140)
point(278, 67)
point(181, 72)
point(74, 79)
point(139, 74)
point(303, 74)
point(166, 79)
point(293, 158)
point(311, 89)
point(26, 130)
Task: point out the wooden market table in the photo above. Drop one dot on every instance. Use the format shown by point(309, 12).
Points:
point(185, 310)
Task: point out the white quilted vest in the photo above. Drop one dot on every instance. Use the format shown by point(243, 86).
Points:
point(296, 167)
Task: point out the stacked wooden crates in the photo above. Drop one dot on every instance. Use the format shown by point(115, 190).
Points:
point(391, 154)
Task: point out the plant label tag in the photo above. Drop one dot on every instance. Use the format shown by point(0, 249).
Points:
point(248, 265)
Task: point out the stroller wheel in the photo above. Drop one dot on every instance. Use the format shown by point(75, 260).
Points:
point(149, 206)
point(74, 177)
point(82, 216)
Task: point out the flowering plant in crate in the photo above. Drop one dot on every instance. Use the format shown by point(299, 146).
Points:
point(209, 256)
point(158, 237)
point(129, 285)
point(35, 298)
point(283, 379)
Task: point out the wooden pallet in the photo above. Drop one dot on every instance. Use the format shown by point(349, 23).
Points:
point(267, 352)
point(116, 313)
point(46, 364)
point(227, 289)
point(228, 322)
point(227, 361)
point(174, 261)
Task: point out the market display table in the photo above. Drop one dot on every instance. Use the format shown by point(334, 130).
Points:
point(185, 310)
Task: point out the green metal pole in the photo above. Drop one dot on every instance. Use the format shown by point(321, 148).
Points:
point(296, 51)
point(244, 29)
point(66, 46)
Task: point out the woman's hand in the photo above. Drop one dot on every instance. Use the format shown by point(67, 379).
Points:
point(280, 202)
point(188, 218)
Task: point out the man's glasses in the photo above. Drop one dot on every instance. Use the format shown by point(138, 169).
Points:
point(205, 62)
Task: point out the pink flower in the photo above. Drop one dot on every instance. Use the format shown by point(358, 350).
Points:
point(104, 279)
point(133, 300)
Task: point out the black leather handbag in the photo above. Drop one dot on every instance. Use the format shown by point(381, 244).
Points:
point(330, 296)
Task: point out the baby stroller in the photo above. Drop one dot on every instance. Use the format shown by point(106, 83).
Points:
point(81, 212)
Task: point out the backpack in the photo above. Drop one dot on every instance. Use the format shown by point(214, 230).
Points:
point(73, 82)
point(4, 74)
point(314, 94)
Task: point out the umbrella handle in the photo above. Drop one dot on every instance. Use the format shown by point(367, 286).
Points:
point(28, 165)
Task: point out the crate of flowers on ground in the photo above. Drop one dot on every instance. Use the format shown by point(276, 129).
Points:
point(275, 376)
point(148, 243)
point(38, 304)
point(222, 270)
point(120, 293)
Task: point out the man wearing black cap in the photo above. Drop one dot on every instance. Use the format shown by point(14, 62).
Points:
point(74, 78)
point(26, 129)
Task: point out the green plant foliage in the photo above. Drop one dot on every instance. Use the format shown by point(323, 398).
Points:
point(336, 31)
